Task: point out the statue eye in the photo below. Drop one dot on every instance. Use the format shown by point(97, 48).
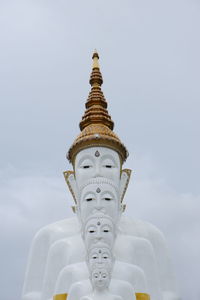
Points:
point(91, 229)
point(88, 199)
point(107, 199)
point(86, 163)
point(108, 163)
point(106, 230)
point(94, 257)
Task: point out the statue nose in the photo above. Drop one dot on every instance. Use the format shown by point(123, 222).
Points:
point(98, 235)
point(98, 203)
point(98, 207)
point(97, 171)
point(100, 259)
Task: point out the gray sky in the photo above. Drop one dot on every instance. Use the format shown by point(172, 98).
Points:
point(149, 56)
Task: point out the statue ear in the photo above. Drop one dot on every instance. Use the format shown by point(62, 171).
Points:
point(124, 181)
point(71, 182)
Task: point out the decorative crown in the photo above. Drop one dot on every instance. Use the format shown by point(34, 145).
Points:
point(96, 125)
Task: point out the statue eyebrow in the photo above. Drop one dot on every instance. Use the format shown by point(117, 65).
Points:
point(88, 156)
point(108, 195)
point(104, 157)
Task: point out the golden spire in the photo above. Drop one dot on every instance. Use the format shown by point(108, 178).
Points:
point(96, 105)
point(96, 125)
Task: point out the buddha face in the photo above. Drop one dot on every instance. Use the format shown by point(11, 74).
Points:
point(100, 279)
point(97, 162)
point(100, 197)
point(100, 257)
point(99, 229)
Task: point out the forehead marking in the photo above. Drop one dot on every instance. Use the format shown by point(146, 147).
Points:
point(98, 223)
point(98, 190)
point(97, 154)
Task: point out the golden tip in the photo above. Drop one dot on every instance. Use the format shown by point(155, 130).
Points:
point(95, 58)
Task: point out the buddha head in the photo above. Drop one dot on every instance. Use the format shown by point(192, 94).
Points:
point(100, 279)
point(100, 256)
point(99, 228)
point(99, 195)
point(94, 162)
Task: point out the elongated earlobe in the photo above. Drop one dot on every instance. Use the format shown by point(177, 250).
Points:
point(124, 181)
point(73, 209)
point(71, 182)
point(123, 207)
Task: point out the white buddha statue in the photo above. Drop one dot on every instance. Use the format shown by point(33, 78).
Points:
point(74, 273)
point(118, 290)
point(99, 233)
point(58, 249)
point(100, 262)
point(68, 251)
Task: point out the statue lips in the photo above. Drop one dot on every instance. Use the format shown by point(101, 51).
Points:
point(100, 265)
point(100, 283)
point(99, 210)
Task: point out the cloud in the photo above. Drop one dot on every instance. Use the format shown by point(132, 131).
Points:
point(151, 198)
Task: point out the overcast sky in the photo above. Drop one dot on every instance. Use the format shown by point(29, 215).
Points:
point(149, 56)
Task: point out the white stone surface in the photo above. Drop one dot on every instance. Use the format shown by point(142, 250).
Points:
point(121, 271)
point(55, 233)
point(117, 287)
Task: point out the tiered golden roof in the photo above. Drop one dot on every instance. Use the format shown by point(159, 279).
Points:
point(96, 125)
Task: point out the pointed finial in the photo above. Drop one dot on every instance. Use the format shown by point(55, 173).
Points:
point(96, 77)
point(95, 58)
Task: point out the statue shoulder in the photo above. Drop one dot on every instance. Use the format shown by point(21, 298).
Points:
point(79, 289)
point(140, 228)
point(117, 298)
point(62, 228)
point(153, 230)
